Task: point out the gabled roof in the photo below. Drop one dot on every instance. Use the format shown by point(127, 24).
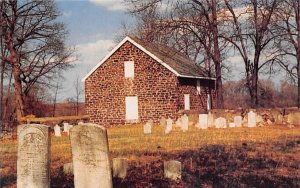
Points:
point(170, 58)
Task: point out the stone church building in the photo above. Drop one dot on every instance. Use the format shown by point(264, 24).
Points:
point(140, 81)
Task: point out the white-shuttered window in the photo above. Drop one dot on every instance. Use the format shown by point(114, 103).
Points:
point(129, 69)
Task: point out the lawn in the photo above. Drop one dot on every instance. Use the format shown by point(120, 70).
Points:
point(232, 157)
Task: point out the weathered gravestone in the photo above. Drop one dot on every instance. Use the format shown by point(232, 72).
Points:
point(210, 119)
point(68, 168)
point(178, 122)
point(33, 163)
point(251, 119)
point(169, 126)
point(231, 125)
point(185, 122)
point(90, 156)
point(238, 121)
point(172, 169)
point(220, 122)
point(148, 127)
point(66, 127)
point(203, 121)
point(120, 167)
point(57, 130)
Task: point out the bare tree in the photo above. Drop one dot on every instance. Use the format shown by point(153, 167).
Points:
point(249, 30)
point(288, 45)
point(35, 45)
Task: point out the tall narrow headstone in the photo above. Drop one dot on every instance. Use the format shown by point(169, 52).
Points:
point(203, 121)
point(178, 122)
point(33, 163)
point(172, 169)
point(238, 121)
point(57, 130)
point(148, 127)
point(251, 119)
point(90, 156)
point(66, 127)
point(210, 119)
point(163, 122)
point(169, 126)
point(185, 122)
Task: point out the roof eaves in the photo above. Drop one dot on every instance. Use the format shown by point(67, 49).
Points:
point(198, 77)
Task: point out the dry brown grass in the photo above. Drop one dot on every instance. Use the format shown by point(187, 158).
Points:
point(236, 151)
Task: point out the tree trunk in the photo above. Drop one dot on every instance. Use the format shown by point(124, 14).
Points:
point(217, 54)
point(18, 92)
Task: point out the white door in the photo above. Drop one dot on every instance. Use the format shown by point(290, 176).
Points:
point(186, 101)
point(132, 112)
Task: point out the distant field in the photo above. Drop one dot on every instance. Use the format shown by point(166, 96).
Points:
point(232, 157)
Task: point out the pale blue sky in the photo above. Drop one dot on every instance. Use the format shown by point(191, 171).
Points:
point(93, 26)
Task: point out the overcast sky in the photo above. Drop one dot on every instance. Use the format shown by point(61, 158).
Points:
point(93, 26)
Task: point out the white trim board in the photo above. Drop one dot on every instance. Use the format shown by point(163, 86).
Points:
point(145, 51)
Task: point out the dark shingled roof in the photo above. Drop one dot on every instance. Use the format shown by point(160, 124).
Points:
point(175, 59)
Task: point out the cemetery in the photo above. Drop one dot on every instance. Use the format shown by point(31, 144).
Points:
point(220, 148)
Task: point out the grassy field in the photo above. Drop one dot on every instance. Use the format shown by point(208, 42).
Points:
point(232, 157)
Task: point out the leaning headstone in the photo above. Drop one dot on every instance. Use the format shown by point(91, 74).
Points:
point(251, 119)
point(147, 128)
point(238, 121)
point(172, 169)
point(68, 168)
point(203, 121)
point(163, 122)
point(57, 130)
point(90, 156)
point(185, 122)
point(169, 126)
point(33, 163)
point(80, 123)
point(220, 122)
point(120, 167)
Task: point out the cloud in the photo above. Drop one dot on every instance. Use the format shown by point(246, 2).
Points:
point(113, 5)
point(67, 13)
point(91, 53)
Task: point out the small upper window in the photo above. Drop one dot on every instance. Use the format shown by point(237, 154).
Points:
point(129, 69)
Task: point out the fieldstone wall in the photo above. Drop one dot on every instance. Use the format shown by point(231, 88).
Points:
point(155, 86)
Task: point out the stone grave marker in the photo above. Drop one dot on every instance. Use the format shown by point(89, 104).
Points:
point(185, 122)
point(220, 122)
point(172, 169)
point(66, 127)
point(148, 128)
point(120, 167)
point(57, 130)
point(238, 121)
point(231, 125)
point(68, 168)
point(163, 122)
point(251, 119)
point(203, 121)
point(169, 126)
point(178, 122)
point(33, 162)
point(90, 156)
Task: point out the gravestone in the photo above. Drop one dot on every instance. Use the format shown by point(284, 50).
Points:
point(57, 130)
point(163, 122)
point(169, 126)
point(238, 121)
point(178, 122)
point(90, 156)
point(203, 121)
point(172, 169)
point(231, 125)
point(220, 122)
point(33, 162)
point(148, 127)
point(66, 127)
point(251, 119)
point(185, 122)
point(120, 167)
